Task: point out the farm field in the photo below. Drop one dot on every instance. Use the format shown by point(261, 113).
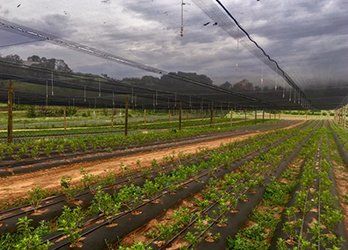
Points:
point(271, 187)
point(174, 125)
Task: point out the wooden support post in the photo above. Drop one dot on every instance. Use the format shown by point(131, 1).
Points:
point(263, 114)
point(10, 114)
point(65, 123)
point(112, 117)
point(211, 115)
point(231, 116)
point(126, 117)
point(255, 115)
point(145, 116)
point(180, 116)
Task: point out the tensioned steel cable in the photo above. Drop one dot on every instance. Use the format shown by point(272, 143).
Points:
point(234, 29)
point(32, 33)
point(20, 43)
point(107, 81)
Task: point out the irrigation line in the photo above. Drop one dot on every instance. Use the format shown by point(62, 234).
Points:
point(318, 156)
point(109, 221)
point(127, 178)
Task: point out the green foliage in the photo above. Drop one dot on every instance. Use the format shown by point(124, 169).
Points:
point(36, 195)
point(104, 203)
point(70, 223)
point(87, 178)
point(26, 238)
point(137, 246)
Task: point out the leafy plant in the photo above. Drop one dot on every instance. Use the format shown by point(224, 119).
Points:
point(87, 178)
point(70, 223)
point(36, 195)
point(104, 203)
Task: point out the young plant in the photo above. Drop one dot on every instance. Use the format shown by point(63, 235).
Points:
point(26, 237)
point(104, 203)
point(65, 183)
point(70, 223)
point(36, 195)
point(87, 179)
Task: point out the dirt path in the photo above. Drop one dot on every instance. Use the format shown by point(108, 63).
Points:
point(15, 187)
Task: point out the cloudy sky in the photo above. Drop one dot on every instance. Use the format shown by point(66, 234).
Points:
point(308, 38)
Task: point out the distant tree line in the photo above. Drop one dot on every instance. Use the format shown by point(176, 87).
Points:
point(42, 62)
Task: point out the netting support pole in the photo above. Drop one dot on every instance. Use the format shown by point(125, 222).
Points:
point(112, 117)
point(65, 123)
point(145, 116)
point(231, 117)
point(169, 115)
point(180, 116)
point(255, 115)
point(126, 117)
point(263, 114)
point(10, 113)
point(211, 115)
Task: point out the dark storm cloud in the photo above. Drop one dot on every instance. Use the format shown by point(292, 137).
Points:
point(298, 33)
point(56, 24)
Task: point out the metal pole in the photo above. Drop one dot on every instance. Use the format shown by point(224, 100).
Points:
point(126, 117)
point(10, 114)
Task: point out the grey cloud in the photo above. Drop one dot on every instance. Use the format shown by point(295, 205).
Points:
point(298, 31)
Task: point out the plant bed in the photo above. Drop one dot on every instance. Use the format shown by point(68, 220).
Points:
point(148, 209)
point(266, 218)
point(280, 133)
point(169, 227)
point(214, 236)
point(17, 167)
point(312, 218)
point(125, 143)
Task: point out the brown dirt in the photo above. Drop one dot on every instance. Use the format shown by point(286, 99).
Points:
point(15, 187)
point(341, 176)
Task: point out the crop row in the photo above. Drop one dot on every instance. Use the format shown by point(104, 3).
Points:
point(342, 134)
point(49, 146)
point(117, 128)
point(266, 217)
point(220, 196)
point(109, 206)
point(312, 219)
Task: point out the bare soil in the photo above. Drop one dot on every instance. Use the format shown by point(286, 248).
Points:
point(341, 176)
point(15, 187)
